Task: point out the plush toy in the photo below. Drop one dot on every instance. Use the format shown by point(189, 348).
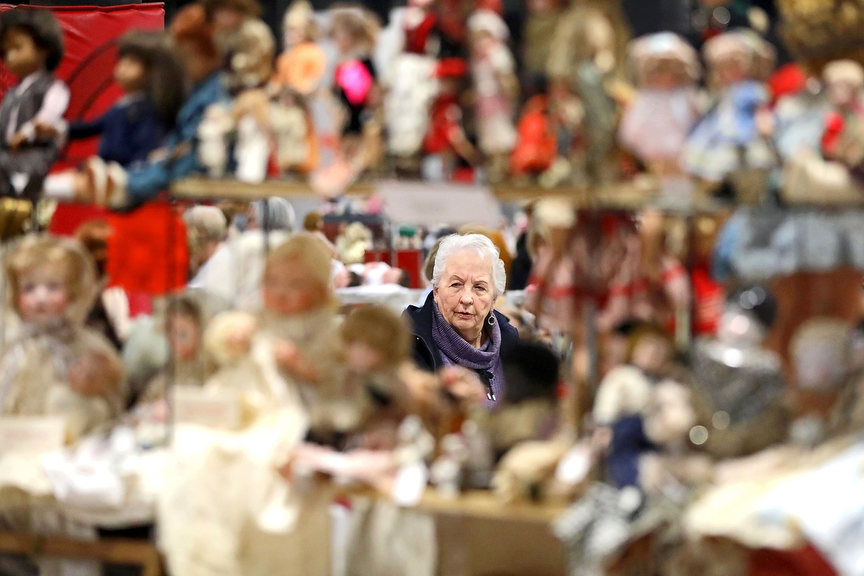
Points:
point(496, 90)
point(659, 119)
point(56, 366)
point(152, 81)
point(31, 44)
point(740, 382)
point(726, 140)
point(109, 183)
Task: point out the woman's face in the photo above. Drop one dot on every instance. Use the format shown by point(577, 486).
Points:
point(289, 289)
point(42, 294)
point(130, 73)
point(465, 295)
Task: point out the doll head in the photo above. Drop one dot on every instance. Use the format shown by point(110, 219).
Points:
point(229, 337)
point(146, 63)
point(738, 56)
point(195, 44)
point(354, 30)
point(230, 14)
point(663, 61)
point(297, 276)
point(375, 339)
point(30, 40)
point(299, 24)
point(184, 323)
point(651, 349)
point(254, 50)
point(313, 222)
point(486, 29)
point(845, 82)
point(818, 353)
point(50, 280)
point(749, 313)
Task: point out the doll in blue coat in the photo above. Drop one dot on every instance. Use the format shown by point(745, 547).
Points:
point(152, 81)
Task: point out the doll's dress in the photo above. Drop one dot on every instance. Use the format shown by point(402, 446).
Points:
point(409, 99)
point(34, 379)
point(656, 125)
point(354, 82)
point(301, 68)
point(21, 105)
point(726, 140)
point(495, 130)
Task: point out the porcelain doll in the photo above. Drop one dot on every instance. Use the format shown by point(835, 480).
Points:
point(252, 146)
point(301, 65)
point(496, 90)
point(56, 366)
point(538, 31)
point(739, 379)
point(657, 122)
point(297, 78)
point(237, 28)
point(446, 142)
point(31, 44)
point(356, 87)
point(213, 134)
point(152, 83)
point(112, 185)
point(726, 140)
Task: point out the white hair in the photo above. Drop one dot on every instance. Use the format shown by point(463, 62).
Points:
point(476, 243)
point(206, 222)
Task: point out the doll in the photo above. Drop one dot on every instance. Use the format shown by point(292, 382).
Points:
point(31, 44)
point(739, 380)
point(657, 122)
point(152, 82)
point(241, 38)
point(112, 185)
point(355, 85)
point(299, 71)
point(650, 284)
point(213, 133)
point(537, 33)
point(496, 90)
point(537, 146)
point(445, 142)
point(726, 140)
point(56, 366)
point(301, 66)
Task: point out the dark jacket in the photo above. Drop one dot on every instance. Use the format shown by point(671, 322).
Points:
point(426, 353)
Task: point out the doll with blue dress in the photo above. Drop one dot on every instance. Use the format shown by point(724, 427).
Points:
point(727, 139)
point(152, 82)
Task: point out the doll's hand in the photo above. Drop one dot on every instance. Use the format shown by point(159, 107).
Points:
point(463, 384)
point(46, 131)
point(289, 358)
point(18, 140)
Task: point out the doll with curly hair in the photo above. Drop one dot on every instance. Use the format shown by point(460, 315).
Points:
point(31, 45)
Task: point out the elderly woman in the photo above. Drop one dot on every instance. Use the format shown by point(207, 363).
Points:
point(457, 325)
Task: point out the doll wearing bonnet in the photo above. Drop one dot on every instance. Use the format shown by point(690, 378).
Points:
point(57, 366)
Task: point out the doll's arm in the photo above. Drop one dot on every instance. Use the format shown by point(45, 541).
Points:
point(51, 113)
point(78, 130)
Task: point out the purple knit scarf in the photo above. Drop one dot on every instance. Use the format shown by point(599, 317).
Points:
point(456, 351)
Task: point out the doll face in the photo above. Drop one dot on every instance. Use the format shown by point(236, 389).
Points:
point(843, 93)
point(42, 294)
point(227, 19)
point(23, 57)
point(465, 295)
point(362, 358)
point(130, 74)
point(290, 289)
point(343, 39)
point(184, 336)
point(652, 354)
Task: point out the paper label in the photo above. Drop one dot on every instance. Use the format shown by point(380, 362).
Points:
point(32, 434)
point(193, 405)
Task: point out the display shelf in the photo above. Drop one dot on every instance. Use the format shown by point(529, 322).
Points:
point(200, 188)
point(485, 505)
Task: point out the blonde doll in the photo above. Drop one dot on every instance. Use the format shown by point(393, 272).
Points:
point(56, 366)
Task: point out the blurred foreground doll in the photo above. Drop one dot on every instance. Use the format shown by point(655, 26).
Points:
point(356, 87)
point(496, 90)
point(56, 366)
point(31, 44)
point(243, 40)
point(657, 122)
point(739, 380)
point(726, 140)
point(152, 82)
point(112, 185)
point(446, 144)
